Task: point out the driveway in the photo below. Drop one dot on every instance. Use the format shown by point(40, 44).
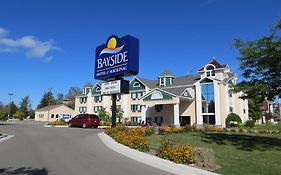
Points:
point(36, 150)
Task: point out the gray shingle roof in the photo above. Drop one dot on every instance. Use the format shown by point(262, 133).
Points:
point(47, 108)
point(175, 91)
point(178, 81)
point(88, 85)
point(166, 73)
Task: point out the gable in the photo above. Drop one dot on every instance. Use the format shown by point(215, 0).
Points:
point(186, 94)
point(136, 85)
point(158, 95)
point(96, 90)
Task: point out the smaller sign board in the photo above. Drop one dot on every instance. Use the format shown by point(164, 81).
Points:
point(115, 87)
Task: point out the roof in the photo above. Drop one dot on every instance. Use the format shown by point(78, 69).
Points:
point(178, 81)
point(88, 85)
point(166, 73)
point(175, 91)
point(47, 108)
point(213, 62)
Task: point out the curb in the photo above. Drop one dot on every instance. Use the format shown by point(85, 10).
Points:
point(151, 160)
point(58, 126)
point(6, 138)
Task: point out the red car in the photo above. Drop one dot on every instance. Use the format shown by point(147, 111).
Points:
point(85, 120)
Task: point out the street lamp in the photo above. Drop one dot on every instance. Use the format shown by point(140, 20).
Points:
point(49, 96)
point(9, 113)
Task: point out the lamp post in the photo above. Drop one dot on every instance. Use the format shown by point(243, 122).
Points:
point(9, 113)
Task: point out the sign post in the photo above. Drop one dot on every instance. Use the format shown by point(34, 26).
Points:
point(114, 60)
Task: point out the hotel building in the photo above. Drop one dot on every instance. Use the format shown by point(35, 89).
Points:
point(206, 98)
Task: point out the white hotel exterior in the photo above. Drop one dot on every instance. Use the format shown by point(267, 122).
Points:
point(202, 99)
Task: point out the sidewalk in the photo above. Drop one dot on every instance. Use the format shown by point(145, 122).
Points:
point(151, 160)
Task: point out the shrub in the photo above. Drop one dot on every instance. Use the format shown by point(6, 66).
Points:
point(250, 123)
point(214, 129)
point(58, 122)
point(233, 119)
point(133, 138)
point(178, 154)
point(205, 158)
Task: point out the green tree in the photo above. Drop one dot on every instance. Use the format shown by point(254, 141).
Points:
point(12, 108)
point(72, 92)
point(119, 113)
point(25, 106)
point(261, 66)
point(103, 114)
point(20, 114)
point(60, 98)
point(48, 98)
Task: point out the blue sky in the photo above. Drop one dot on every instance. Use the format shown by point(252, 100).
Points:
point(52, 43)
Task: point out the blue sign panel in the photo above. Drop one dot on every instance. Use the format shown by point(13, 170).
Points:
point(119, 57)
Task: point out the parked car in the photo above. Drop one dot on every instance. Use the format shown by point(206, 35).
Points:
point(84, 120)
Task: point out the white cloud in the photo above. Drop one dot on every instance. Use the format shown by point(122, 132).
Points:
point(32, 47)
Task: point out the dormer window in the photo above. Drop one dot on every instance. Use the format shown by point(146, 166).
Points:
point(136, 84)
point(210, 71)
point(162, 81)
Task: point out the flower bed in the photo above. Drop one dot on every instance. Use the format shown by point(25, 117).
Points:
point(178, 154)
point(133, 138)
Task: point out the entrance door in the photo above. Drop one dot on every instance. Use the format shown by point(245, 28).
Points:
point(184, 120)
point(158, 120)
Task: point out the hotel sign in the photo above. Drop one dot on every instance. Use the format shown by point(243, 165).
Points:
point(118, 58)
point(115, 87)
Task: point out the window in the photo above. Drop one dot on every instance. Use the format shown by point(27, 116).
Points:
point(83, 99)
point(136, 119)
point(139, 95)
point(98, 89)
point(230, 93)
point(244, 111)
point(209, 119)
point(136, 108)
point(57, 115)
point(133, 95)
point(156, 95)
point(136, 84)
point(97, 108)
point(97, 98)
point(52, 116)
point(158, 108)
point(210, 71)
point(162, 81)
point(41, 115)
point(208, 99)
point(118, 98)
point(82, 109)
point(230, 109)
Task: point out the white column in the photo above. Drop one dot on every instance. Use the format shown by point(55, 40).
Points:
point(143, 113)
point(176, 115)
point(217, 103)
point(199, 118)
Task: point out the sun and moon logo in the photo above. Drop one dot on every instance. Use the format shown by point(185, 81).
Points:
point(111, 47)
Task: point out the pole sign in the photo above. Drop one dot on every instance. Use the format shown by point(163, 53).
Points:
point(115, 87)
point(119, 57)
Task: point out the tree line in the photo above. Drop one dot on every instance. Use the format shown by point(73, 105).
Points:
point(24, 109)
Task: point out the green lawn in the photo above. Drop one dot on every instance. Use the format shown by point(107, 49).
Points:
point(236, 153)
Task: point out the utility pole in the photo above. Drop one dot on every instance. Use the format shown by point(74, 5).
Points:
point(49, 96)
point(9, 113)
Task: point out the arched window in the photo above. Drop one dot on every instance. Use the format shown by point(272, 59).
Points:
point(98, 89)
point(136, 84)
point(156, 95)
point(210, 71)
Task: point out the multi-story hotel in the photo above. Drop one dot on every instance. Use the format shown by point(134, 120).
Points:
point(203, 99)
